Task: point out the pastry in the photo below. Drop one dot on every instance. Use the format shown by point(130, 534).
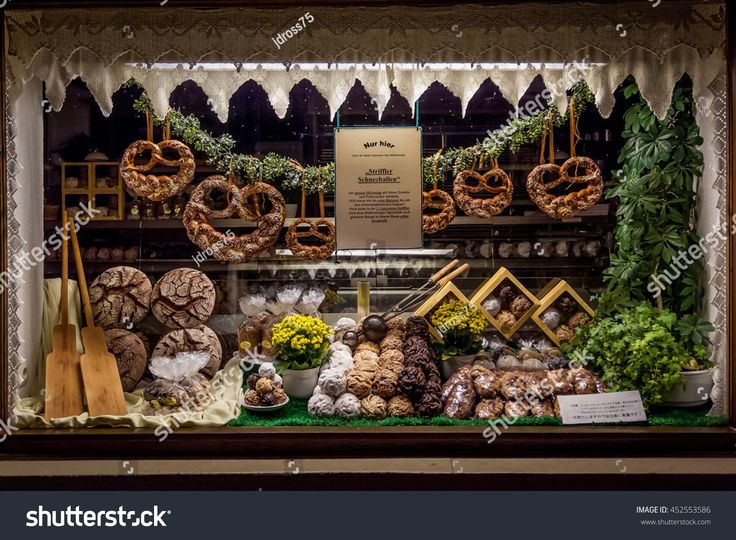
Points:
point(545, 407)
point(228, 247)
point(487, 409)
point(359, 383)
point(492, 305)
point(560, 381)
point(440, 201)
point(578, 319)
point(513, 385)
point(386, 383)
point(564, 333)
point(368, 346)
point(120, 297)
point(183, 298)
point(157, 188)
point(506, 319)
point(484, 208)
point(520, 305)
point(400, 406)
point(460, 399)
point(487, 384)
point(552, 318)
point(347, 406)
point(320, 230)
point(373, 407)
point(570, 204)
point(513, 409)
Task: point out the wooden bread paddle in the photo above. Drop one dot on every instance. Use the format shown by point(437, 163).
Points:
point(99, 368)
point(64, 395)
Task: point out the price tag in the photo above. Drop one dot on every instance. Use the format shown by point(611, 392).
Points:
point(615, 407)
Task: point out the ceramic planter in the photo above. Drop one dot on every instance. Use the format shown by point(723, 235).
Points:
point(300, 383)
point(694, 390)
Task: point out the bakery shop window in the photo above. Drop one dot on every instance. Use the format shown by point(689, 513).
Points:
point(572, 218)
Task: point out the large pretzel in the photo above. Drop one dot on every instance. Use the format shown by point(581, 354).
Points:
point(150, 186)
point(483, 208)
point(437, 199)
point(569, 204)
point(574, 202)
point(311, 252)
point(234, 248)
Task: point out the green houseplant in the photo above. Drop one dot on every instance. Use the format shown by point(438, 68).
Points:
point(641, 348)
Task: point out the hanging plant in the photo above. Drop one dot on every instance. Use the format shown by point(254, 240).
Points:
point(657, 211)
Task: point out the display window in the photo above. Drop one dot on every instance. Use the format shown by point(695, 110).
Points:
point(429, 225)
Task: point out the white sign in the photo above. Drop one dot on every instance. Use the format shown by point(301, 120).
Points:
point(378, 188)
point(614, 407)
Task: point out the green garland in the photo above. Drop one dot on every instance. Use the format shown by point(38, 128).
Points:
point(279, 170)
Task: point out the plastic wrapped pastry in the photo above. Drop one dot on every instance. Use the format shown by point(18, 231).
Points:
point(252, 304)
point(544, 407)
point(310, 302)
point(487, 409)
point(513, 409)
point(513, 385)
point(461, 399)
point(486, 383)
point(584, 382)
point(560, 381)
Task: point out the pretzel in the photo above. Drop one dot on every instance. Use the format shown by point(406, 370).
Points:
point(483, 208)
point(149, 186)
point(437, 199)
point(569, 204)
point(234, 248)
point(316, 252)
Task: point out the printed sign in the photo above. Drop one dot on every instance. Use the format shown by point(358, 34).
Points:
point(614, 407)
point(378, 193)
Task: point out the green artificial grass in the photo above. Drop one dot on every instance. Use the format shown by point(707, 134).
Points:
point(295, 414)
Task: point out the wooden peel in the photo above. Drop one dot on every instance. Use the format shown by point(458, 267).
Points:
point(100, 373)
point(64, 396)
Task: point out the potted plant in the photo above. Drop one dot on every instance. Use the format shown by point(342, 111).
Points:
point(697, 373)
point(643, 348)
point(461, 325)
point(302, 343)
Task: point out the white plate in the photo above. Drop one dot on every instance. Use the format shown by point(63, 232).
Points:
point(264, 408)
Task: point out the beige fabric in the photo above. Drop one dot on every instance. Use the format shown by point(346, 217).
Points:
point(227, 386)
point(408, 48)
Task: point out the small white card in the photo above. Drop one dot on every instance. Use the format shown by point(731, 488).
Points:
point(609, 408)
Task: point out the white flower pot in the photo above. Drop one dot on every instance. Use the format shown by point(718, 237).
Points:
point(451, 365)
point(300, 383)
point(694, 390)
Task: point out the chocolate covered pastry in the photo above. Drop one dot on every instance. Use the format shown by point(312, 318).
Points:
point(183, 298)
point(567, 305)
point(201, 338)
point(416, 326)
point(120, 296)
point(429, 405)
point(507, 295)
point(412, 381)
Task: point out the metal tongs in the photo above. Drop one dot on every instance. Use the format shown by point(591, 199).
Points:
point(375, 327)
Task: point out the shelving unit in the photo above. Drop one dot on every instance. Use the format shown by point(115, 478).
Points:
point(87, 173)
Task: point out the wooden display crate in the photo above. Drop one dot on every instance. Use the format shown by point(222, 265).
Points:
point(489, 287)
point(549, 295)
point(446, 293)
point(90, 190)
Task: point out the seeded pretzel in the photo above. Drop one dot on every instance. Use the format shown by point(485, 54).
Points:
point(235, 248)
point(437, 199)
point(483, 208)
point(150, 186)
point(294, 235)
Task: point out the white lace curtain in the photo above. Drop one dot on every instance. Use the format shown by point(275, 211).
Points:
point(407, 47)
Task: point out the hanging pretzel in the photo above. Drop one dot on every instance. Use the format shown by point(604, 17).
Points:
point(437, 199)
point(569, 204)
point(502, 191)
point(294, 235)
point(150, 186)
point(228, 247)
